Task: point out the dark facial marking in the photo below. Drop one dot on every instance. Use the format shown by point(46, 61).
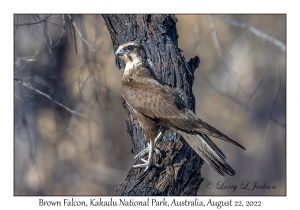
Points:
point(130, 48)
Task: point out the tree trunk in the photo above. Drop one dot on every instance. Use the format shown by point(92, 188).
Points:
point(179, 173)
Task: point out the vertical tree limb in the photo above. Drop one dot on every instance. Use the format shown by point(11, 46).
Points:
point(180, 165)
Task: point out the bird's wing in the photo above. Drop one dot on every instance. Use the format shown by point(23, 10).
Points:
point(161, 103)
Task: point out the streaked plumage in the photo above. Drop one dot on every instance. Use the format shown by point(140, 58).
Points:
point(156, 103)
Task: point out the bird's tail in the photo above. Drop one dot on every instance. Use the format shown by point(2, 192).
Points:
point(208, 151)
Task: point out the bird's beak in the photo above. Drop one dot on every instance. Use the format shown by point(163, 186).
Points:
point(119, 52)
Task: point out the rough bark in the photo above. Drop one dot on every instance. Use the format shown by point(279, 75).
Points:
point(179, 173)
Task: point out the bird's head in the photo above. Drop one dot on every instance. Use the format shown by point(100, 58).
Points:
point(130, 52)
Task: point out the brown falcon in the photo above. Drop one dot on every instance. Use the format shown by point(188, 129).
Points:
point(155, 103)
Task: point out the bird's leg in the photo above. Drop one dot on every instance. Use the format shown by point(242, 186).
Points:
point(159, 136)
point(151, 147)
point(146, 150)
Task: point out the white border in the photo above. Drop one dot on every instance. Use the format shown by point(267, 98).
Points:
point(8, 201)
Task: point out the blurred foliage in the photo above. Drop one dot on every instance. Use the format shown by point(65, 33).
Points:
point(70, 131)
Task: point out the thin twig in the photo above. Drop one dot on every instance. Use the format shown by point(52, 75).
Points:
point(79, 33)
point(49, 97)
point(62, 32)
point(255, 31)
point(227, 95)
point(250, 96)
point(75, 43)
point(220, 55)
point(25, 101)
point(45, 38)
point(215, 38)
point(47, 32)
point(200, 40)
point(68, 126)
point(33, 23)
point(277, 95)
point(30, 59)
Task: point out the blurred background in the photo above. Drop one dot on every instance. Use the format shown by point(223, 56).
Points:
point(70, 132)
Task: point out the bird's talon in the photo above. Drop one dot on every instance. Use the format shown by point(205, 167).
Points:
point(157, 152)
point(147, 164)
point(145, 151)
point(139, 166)
point(141, 153)
point(147, 168)
point(145, 161)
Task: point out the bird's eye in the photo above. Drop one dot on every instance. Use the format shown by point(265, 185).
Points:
point(129, 48)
